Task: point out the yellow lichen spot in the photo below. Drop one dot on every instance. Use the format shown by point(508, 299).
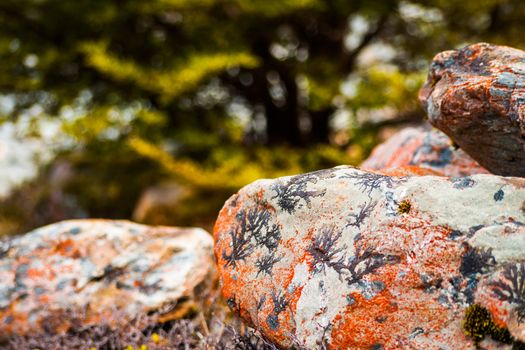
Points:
point(404, 207)
point(155, 337)
point(478, 323)
point(129, 347)
point(143, 347)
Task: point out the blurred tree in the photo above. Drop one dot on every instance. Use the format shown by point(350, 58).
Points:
point(211, 81)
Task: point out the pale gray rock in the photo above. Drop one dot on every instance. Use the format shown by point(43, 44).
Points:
point(356, 259)
point(103, 271)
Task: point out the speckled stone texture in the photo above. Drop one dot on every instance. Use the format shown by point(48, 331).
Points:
point(360, 260)
point(106, 271)
point(476, 95)
point(424, 147)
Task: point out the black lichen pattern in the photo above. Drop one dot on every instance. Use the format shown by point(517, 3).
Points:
point(476, 260)
point(325, 253)
point(252, 224)
point(499, 195)
point(279, 305)
point(265, 263)
point(290, 194)
point(365, 211)
point(257, 222)
point(368, 182)
point(241, 247)
point(260, 303)
point(366, 262)
point(511, 288)
point(461, 183)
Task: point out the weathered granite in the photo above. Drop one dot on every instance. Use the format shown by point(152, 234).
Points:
point(106, 271)
point(476, 95)
point(425, 148)
point(360, 260)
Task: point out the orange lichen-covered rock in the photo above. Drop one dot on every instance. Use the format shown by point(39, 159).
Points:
point(350, 259)
point(108, 272)
point(425, 148)
point(476, 95)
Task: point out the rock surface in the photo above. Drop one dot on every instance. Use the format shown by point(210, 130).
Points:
point(158, 204)
point(418, 146)
point(476, 95)
point(98, 269)
point(359, 260)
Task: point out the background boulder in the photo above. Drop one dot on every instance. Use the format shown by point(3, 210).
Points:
point(476, 95)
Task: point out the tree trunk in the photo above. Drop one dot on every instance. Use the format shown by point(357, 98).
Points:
point(320, 131)
point(282, 122)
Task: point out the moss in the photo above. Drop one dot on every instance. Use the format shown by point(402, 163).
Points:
point(518, 346)
point(404, 207)
point(478, 324)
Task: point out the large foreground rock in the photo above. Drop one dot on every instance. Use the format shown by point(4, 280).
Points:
point(361, 260)
point(425, 148)
point(105, 272)
point(476, 95)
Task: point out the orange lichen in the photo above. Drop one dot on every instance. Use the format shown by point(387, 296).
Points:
point(410, 170)
point(67, 248)
point(381, 319)
point(226, 218)
point(498, 313)
point(362, 325)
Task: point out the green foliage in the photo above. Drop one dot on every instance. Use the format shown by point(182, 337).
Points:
point(169, 83)
point(387, 86)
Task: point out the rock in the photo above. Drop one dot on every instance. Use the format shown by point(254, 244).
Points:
point(158, 204)
point(430, 149)
point(476, 95)
point(360, 260)
point(409, 170)
point(106, 271)
point(40, 201)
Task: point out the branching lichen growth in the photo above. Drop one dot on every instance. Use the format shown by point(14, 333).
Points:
point(512, 288)
point(241, 247)
point(368, 182)
point(265, 264)
point(257, 223)
point(290, 194)
point(325, 253)
point(254, 223)
point(279, 305)
point(476, 261)
point(365, 262)
point(365, 211)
